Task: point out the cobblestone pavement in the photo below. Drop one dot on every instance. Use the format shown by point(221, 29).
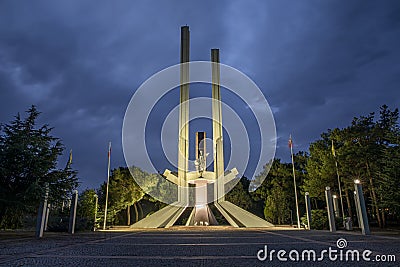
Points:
point(190, 247)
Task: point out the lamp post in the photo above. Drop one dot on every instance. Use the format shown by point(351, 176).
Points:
point(329, 206)
point(362, 210)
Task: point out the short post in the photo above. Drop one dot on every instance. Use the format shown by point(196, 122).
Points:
point(96, 201)
point(329, 206)
point(308, 210)
point(40, 223)
point(362, 211)
point(357, 208)
point(47, 216)
point(72, 214)
point(336, 206)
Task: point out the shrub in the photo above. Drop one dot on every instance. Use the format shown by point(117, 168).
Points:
point(319, 220)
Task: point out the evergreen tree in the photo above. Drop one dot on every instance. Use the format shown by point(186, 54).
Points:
point(277, 192)
point(28, 163)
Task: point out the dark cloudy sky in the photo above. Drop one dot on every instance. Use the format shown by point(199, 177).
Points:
point(318, 63)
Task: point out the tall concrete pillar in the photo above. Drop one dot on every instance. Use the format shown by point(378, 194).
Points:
point(219, 187)
point(362, 210)
point(329, 205)
point(72, 213)
point(183, 153)
point(308, 210)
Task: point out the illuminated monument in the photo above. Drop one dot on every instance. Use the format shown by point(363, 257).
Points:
point(209, 186)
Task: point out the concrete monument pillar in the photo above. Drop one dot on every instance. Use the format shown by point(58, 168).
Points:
point(219, 187)
point(183, 150)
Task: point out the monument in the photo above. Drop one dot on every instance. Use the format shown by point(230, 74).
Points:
point(201, 179)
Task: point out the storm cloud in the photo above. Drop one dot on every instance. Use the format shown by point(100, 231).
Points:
point(318, 63)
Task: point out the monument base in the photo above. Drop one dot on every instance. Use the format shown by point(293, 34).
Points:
point(234, 215)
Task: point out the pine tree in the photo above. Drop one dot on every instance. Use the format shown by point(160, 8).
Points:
point(28, 163)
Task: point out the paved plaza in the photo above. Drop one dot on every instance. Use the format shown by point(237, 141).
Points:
point(188, 247)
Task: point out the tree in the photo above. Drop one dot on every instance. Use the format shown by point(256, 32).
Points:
point(86, 210)
point(87, 204)
point(28, 163)
point(277, 192)
point(387, 170)
point(367, 150)
point(369, 155)
point(240, 196)
point(360, 155)
point(124, 192)
point(320, 169)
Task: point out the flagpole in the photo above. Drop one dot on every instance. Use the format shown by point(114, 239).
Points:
point(338, 178)
point(108, 181)
point(69, 162)
point(294, 182)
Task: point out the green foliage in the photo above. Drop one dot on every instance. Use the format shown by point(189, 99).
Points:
point(388, 169)
point(123, 192)
point(276, 208)
point(28, 161)
point(58, 222)
point(87, 204)
point(320, 169)
point(319, 219)
point(277, 192)
point(86, 209)
point(240, 195)
point(367, 150)
point(156, 185)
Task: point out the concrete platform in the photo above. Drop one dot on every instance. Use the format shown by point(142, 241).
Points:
point(186, 246)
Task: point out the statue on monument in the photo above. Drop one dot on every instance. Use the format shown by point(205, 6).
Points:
point(200, 163)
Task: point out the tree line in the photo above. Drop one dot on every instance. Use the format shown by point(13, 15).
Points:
point(367, 150)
